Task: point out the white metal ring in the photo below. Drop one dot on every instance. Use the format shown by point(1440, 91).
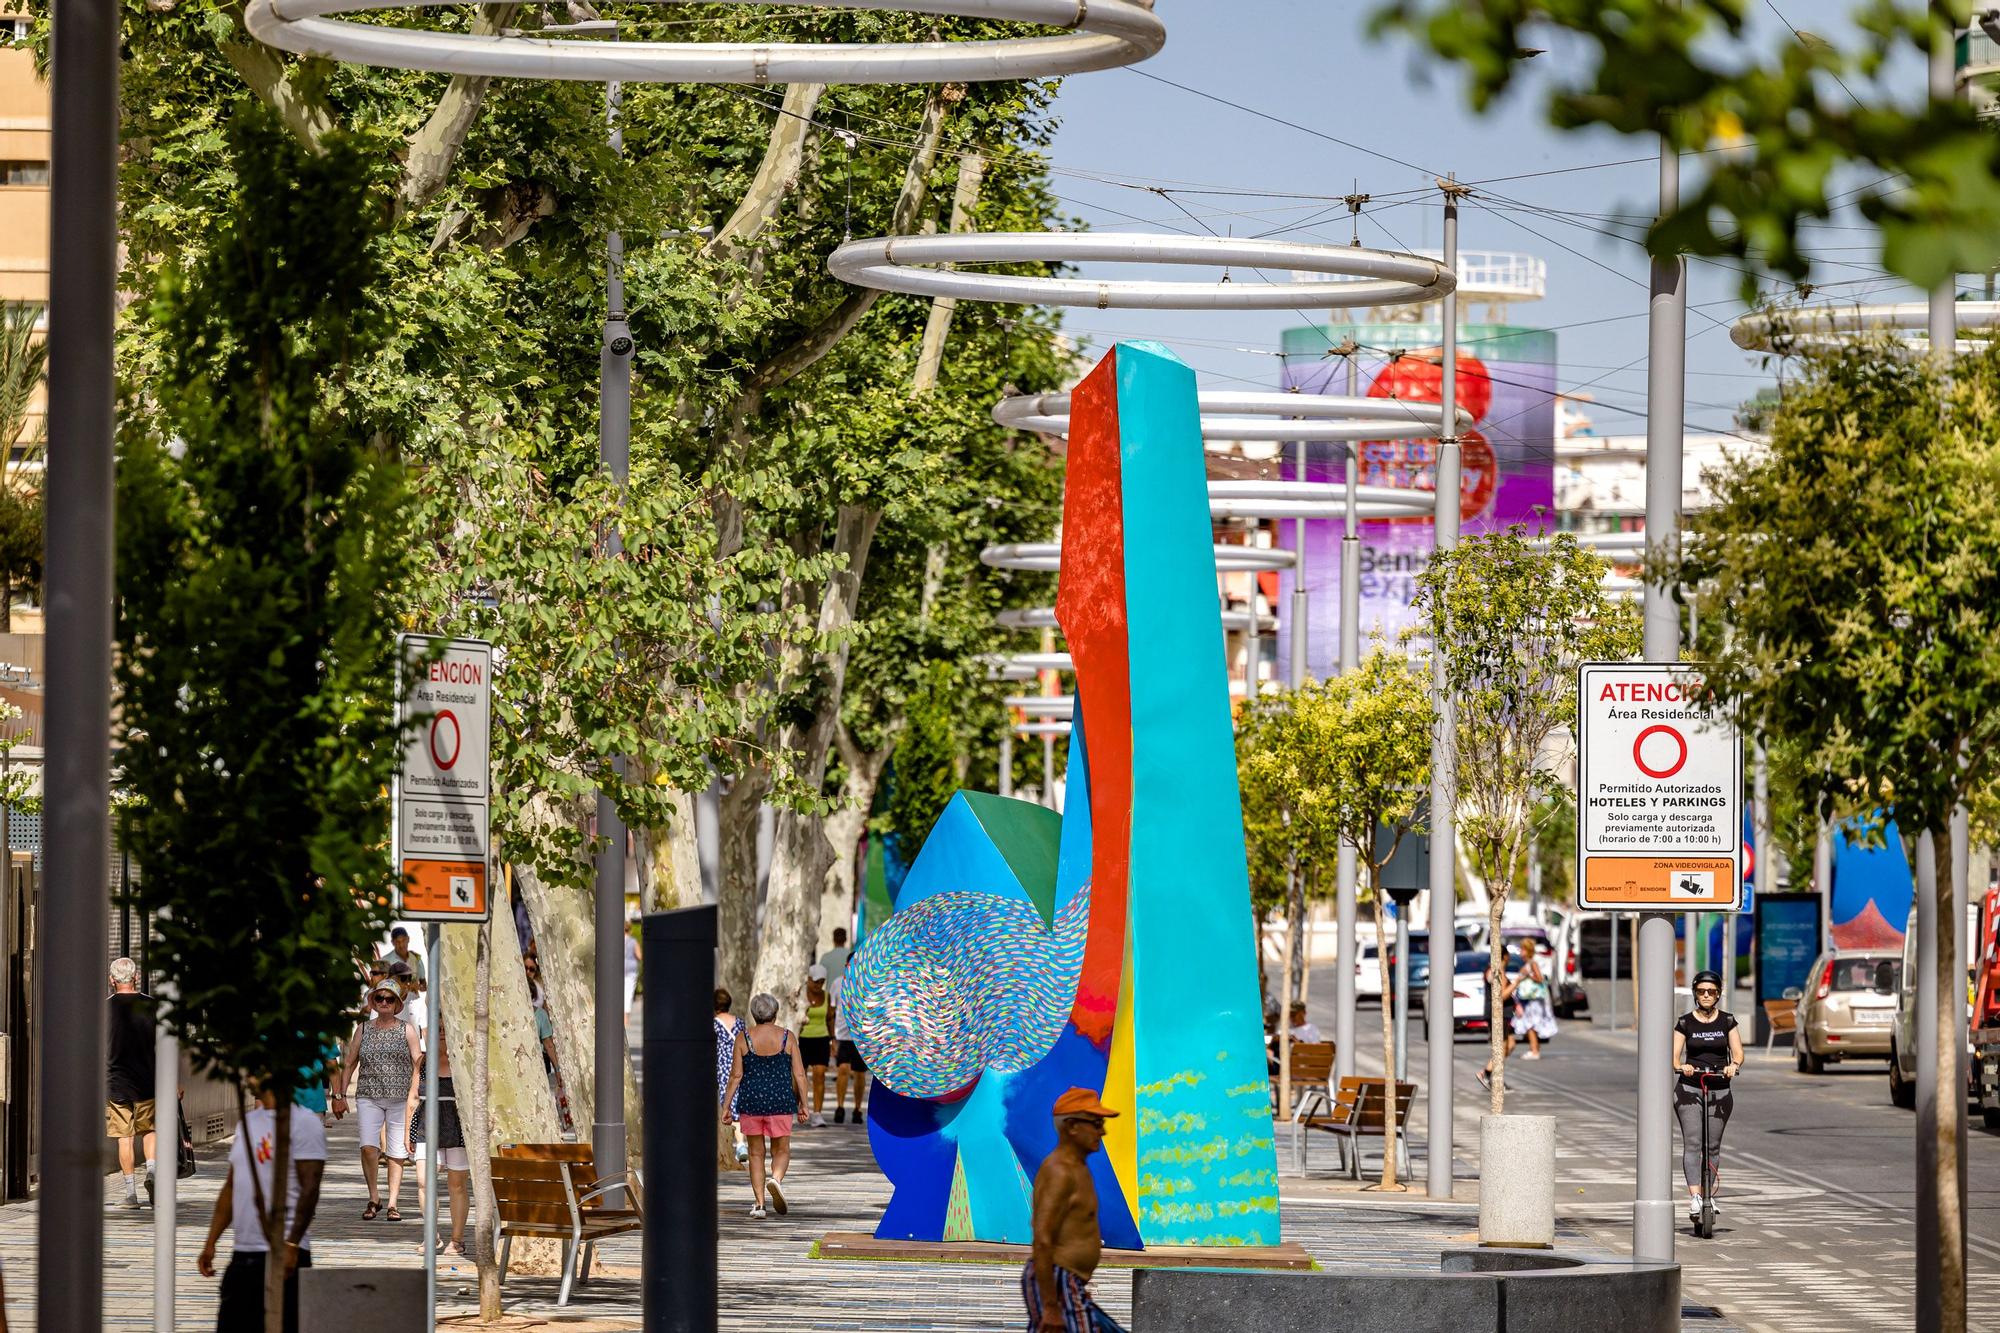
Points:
point(1044, 617)
point(1042, 728)
point(1102, 34)
point(1825, 327)
point(908, 264)
point(1288, 417)
point(1314, 499)
point(1043, 705)
point(1046, 557)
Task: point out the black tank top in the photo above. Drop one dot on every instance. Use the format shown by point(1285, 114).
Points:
point(1706, 1043)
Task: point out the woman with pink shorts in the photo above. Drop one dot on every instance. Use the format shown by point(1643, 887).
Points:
point(766, 1094)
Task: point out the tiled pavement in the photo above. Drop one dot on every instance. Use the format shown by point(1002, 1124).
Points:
point(768, 1279)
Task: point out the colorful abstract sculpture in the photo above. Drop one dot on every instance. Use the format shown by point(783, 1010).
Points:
point(1112, 948)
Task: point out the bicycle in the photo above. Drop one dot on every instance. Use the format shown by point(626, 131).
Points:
point(1704, 1222)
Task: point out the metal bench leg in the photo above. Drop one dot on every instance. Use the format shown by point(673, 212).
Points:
point(569, 1253)
point(583, 1269)
point(506, 1253)
point(1353, 1157)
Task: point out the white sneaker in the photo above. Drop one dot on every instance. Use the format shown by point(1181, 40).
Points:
point(1694, 1205)
point(818, 1121)
point(1531, 1055)
point(778, 1200)
point(756, 1212)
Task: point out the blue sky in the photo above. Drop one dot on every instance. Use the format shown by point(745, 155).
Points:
point(1126, 135)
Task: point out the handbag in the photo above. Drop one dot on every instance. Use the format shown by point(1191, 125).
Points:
point(184, 1160)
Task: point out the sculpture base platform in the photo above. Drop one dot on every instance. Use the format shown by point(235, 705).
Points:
point(1290, 1256)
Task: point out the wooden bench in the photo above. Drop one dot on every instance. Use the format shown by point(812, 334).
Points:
point(1312, 1069)
point(1784, 1019)
point(553, 1190)
point(1357, 1112)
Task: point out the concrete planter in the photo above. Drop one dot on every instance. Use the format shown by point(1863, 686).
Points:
point(1517, 1181)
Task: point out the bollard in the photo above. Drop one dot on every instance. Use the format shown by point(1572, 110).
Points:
point(678, 1085)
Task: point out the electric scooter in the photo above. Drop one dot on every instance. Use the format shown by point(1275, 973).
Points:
point(1704, 1223)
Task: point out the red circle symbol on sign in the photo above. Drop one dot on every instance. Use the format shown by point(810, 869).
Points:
point(438, 757)
point(1639, 758)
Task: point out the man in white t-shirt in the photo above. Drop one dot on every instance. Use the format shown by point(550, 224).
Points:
point(242, 1305)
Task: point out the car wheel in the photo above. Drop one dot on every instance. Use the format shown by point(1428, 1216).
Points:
point(1991, 1115)
point(1902, 1092)
point(1799, 1059)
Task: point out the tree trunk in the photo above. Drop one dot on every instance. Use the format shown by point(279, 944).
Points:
point(1388, 1026)
point(801, 857)
point(736, 880)
point(274, 1218)
point(1948, 1129)
point(800, 860)
point(1295, 930)
point(1496, 977)
point(476, 1105)
point(841, 893)
point(683, 858)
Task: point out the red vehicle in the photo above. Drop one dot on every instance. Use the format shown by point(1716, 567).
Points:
point(1986, 1010)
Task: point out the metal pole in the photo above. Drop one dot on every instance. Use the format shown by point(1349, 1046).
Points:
point(1823, 879)
point(166, 1156)
point(1402, 997)
point(435, 1003)
point(1346, 907)
point(1961, 1016)
point(1653, 1198)
point(679, 1250)
point(1935, 1305)
point(1444, 769)
point(1007, 758)
point(614, 448)
point(1049, 771)
point(1766, 878)
point(1300, 605)
point(1615, 925)
point(83, 210)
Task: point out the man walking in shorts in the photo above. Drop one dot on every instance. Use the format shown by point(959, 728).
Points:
point(128, 1076)
point(1068, 1243)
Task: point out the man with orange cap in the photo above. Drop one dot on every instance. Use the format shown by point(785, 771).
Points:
point(1068, 1244)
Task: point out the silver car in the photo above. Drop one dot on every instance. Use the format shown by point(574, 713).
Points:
point(1847, 1008)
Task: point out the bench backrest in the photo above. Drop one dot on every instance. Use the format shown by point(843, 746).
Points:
point(1361, 1102)
point(580, 1158)
point(532, 1191)
point(1784, 1015)
point(1312, 1061)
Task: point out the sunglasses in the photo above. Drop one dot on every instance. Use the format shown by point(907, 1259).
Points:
point(1708, 990)
point(382, 999)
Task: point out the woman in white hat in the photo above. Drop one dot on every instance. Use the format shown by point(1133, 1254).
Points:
point(384, 1047)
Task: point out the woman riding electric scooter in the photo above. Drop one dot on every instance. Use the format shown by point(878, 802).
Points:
point(1708, 1050)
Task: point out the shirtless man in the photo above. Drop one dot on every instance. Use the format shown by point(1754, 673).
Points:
point(1067, 1242)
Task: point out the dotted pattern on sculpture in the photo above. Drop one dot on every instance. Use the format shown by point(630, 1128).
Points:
point(960, 983)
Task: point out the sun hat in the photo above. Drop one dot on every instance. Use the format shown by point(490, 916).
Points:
point(1082, 1101)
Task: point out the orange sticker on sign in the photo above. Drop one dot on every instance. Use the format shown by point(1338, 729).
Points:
point(447, 888)
point(1659, 881)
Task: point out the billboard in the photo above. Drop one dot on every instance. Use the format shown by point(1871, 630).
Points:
point(1507, 380)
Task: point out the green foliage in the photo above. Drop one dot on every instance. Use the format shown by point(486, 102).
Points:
point(1858, 561)
point(924, 773)
point(1510, 618)
point(1799, 120)
point(262, 548)
point(1330, 763)
point(16, 788)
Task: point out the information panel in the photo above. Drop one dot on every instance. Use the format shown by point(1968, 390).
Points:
point(1659, 792)
point(444, 789)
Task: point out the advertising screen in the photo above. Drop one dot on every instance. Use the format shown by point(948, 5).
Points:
point(1507, 380)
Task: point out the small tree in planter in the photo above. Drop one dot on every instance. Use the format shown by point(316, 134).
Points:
point(1350, 756)
point(261, 548)
point(1509, 618)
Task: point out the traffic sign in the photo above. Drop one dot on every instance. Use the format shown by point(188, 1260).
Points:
point(1659, 781)
point(444, 789)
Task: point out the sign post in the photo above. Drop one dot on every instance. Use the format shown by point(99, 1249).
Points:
point(442, 801)
point(1659, 792)
point(446, 784)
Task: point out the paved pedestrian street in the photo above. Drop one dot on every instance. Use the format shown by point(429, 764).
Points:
point(768, 1277)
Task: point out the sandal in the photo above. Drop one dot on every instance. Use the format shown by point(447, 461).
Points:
point(368, 1213)
point(392, 1215)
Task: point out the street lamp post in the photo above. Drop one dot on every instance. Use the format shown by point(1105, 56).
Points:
point(77, 591)
point(614, 451)
point(1345, 909)
point(1444, 765)
point(1653, 1201)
